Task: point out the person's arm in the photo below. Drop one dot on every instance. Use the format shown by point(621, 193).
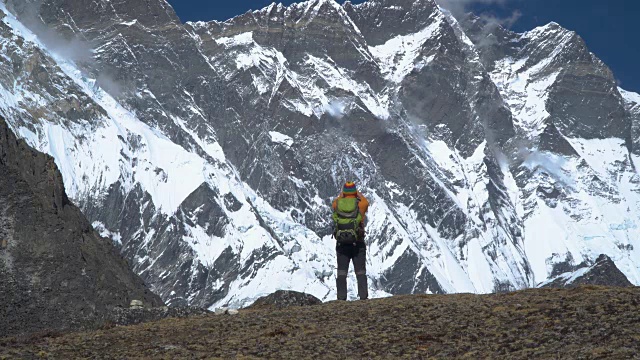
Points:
point(363, 204)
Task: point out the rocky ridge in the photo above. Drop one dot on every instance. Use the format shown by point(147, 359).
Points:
point(56, 272)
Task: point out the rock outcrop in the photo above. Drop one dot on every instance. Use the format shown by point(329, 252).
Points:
point(56, 272)
point(603, 272)
point(286, 298)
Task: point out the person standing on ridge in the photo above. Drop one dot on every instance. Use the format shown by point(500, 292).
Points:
point(349, 211)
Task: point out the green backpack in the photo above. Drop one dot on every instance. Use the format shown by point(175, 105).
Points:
point(347, 220)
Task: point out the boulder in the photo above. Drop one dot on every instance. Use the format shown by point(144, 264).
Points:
point(221, 311)
point(286, 298)
point(136, 304)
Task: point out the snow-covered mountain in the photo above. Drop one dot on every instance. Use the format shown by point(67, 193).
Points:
point(211, 151)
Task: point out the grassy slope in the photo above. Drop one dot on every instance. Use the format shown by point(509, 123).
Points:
point(587, 322)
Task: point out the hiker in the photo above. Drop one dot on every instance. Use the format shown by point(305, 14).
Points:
point(349, 211)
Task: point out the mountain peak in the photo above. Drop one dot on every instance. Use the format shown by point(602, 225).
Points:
point(313, 8)
point(549, 29)
point(381, 20)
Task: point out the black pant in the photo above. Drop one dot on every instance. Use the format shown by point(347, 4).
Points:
point(357, 253)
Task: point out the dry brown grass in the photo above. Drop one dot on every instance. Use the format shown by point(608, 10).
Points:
point(584, 323)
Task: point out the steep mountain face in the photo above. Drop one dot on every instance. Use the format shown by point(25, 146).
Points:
point(576, 160)
point(211, 151)
point(56, 272)
point(632, 105)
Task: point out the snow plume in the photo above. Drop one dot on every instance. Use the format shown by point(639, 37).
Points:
point(505, 22)
point(525, 154)
point(459, 8)
point(492, 22)
point(336, 108)
point(71, 46)
point(108, 83)
point(552, 164)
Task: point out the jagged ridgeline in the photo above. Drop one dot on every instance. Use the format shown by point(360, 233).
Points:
point(210, 152)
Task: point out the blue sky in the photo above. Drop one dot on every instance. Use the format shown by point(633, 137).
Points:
point(610, 27)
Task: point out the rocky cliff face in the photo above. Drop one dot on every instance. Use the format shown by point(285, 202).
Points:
point(211, 151)
point(56, 272)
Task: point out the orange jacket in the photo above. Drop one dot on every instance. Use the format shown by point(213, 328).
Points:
point(363, 204)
